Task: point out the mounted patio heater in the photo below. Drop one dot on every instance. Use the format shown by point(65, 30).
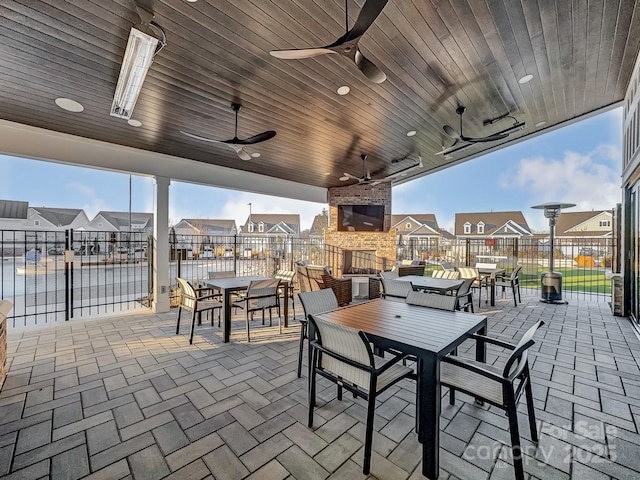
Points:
point(552, 281)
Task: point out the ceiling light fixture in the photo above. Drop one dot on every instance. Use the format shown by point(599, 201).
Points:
point(142, 47)
point(526, 79)
point(255, 154)
point(540, 123)
point(69, 105)
point(343, 90)
point(411, 133)
point(134, 123)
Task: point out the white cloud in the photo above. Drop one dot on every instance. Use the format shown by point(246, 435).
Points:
point(90, 202)
point(591, 181)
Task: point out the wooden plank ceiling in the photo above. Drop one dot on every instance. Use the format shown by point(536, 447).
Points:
point(436, 54)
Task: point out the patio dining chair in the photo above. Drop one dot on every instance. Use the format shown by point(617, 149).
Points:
point(432, 300)
point(478, 283)
point(464, 295)
point(191, 300)
point(261, 295)
point(344, 356)
point(512, 282)
point(395, 289)
point(499, 387)
point(389, 274)
point(313, 303)
point(286, 276)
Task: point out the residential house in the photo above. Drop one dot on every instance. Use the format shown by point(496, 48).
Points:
point(269, 233)
point(585, 233)
point(122, 230)
point(418, 235)
point(489, 236)
point(13, 219)
point(204, 236)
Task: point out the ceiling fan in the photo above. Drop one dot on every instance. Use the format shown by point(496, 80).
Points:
point(237, 143)
point(460, 137)
point(347, 45)
point(366, 175)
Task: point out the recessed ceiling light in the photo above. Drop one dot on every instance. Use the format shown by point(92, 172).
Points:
point(539, 124)
point(69, 105)
point(526, 79)
point(344, 178)
point(343, 90)
point(411, 133)
point(255, 154)
point(134, 123)
point(326, 174)
point(192, 1)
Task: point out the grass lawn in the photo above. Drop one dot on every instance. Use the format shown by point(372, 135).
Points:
point(588, 280)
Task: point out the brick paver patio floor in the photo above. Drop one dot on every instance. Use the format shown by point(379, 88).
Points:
point(124, 397)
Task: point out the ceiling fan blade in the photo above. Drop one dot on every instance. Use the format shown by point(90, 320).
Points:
point(261, 137)
point(368, 68)
point(299, 53)
point(240, 151)
point(368, 14)
point(198, 137)
point(450, 131)
point(490, 138)
point(446, 150)
point(351, 177)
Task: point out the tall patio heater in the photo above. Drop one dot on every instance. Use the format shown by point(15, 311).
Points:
point(552, 281)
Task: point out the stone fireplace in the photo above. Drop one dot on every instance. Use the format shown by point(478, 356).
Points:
point(362, 250)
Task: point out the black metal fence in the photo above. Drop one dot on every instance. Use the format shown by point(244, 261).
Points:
point(110, 272)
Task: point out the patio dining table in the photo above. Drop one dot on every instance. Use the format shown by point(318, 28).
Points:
point(428, 334)
point(438, 285)
point(490, 274)
point(229, 286)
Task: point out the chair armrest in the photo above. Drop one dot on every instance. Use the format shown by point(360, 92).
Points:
point(206, 297)
point(493, 341)
point(459, 362)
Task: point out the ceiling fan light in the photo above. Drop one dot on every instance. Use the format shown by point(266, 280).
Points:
point(411, 133)
point(141, 47)
point(343, 90)
point(526, 79)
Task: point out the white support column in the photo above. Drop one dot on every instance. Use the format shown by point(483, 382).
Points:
point(160, 279)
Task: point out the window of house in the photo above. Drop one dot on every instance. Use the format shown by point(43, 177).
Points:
point(408, 226)
point(36, 222)
point(251, 227)
point(467, 228)
point(480, 227)
point(261, 227)
point(605, 223)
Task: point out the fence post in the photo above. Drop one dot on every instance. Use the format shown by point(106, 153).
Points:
point(67, 245)
point(467, 260)
point(235, 258)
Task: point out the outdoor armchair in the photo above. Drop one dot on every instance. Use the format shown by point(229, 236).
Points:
point(343, 355)
point(261, 295)
point(499, 387)
point(342, 287)
point(191, 300)
point(479, 280)
point(313, 303)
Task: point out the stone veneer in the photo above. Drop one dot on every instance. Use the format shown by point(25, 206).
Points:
point(383, 243)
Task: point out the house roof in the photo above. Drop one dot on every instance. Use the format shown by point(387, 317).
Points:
point(494, 222)
point(121, 219)
point(271, 220)
point(399, 221)
point(59, 217)
point(13, 209)
point(210, 225)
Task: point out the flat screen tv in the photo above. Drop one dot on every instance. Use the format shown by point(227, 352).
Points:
point(360, 218)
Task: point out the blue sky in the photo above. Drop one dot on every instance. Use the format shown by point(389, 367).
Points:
point(579, 163)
